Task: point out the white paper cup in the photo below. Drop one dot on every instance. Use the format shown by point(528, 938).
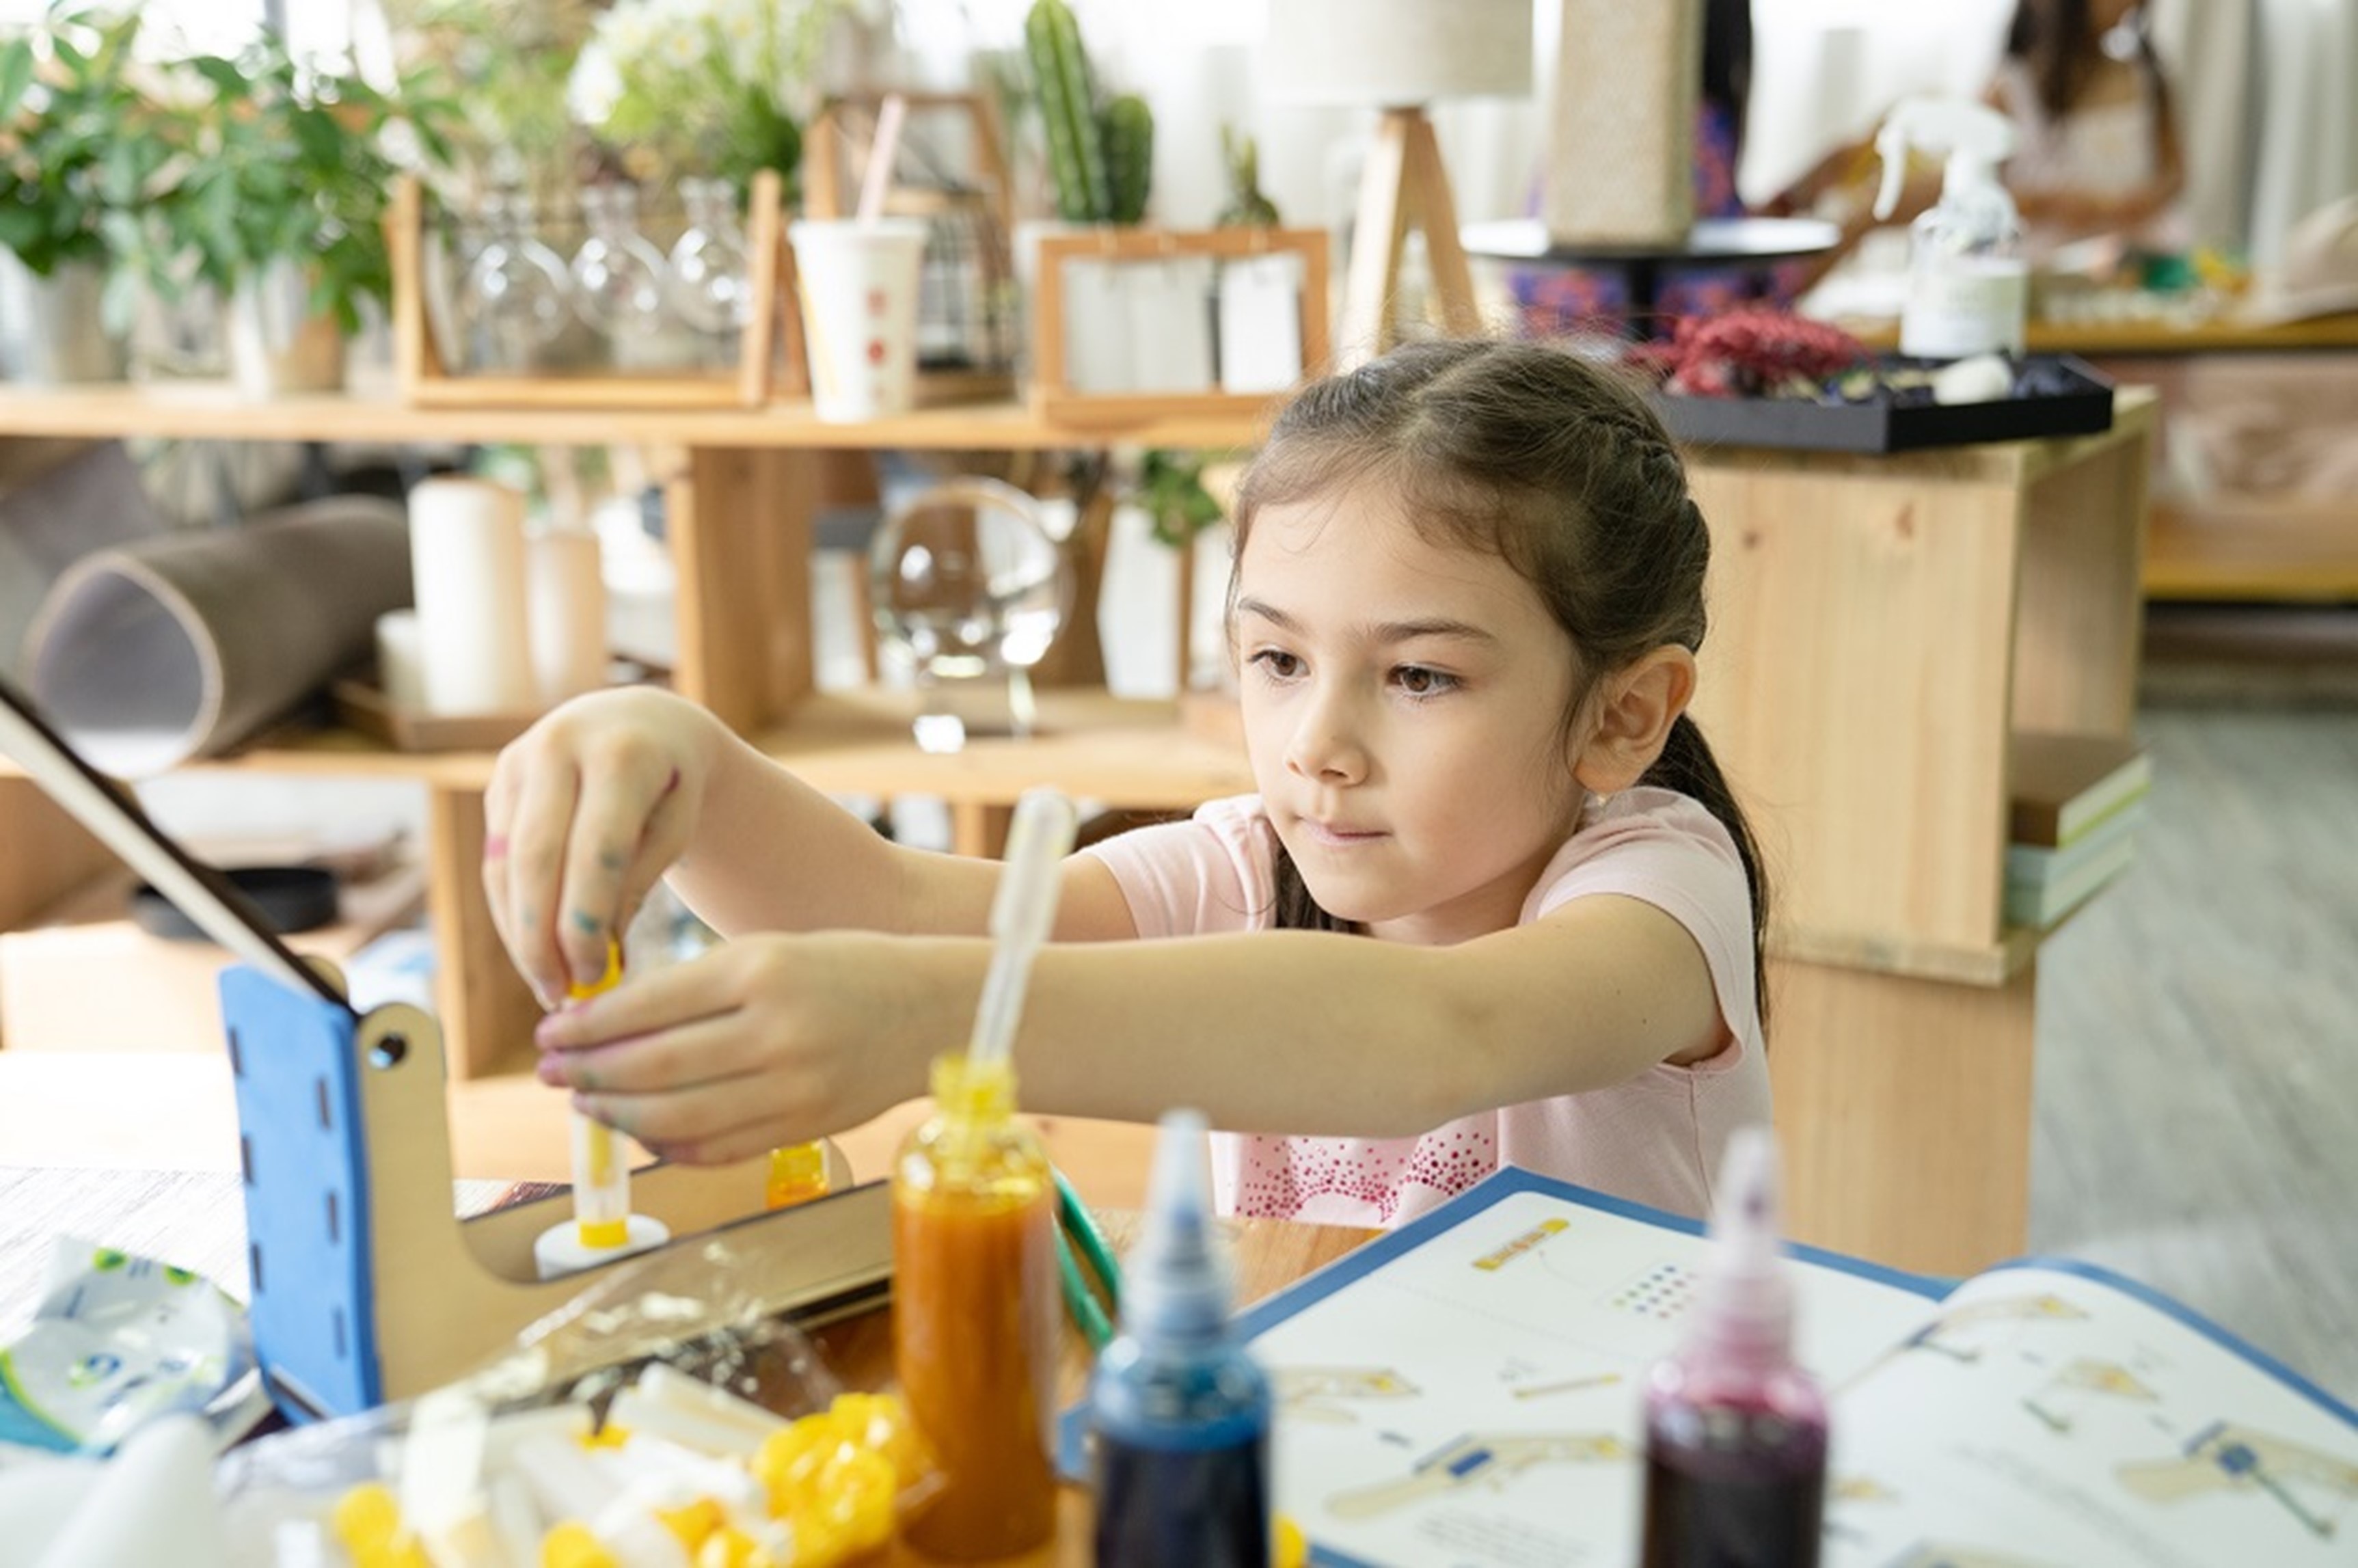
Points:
point(859, 287)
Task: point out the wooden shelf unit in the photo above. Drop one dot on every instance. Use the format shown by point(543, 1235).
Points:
point(1881, 627)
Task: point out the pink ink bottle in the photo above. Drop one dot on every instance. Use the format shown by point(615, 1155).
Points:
point(1736, 1431)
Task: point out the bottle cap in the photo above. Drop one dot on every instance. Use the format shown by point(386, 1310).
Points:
point(1175, 1286)
point(1976, 138)
point(1745, 1306)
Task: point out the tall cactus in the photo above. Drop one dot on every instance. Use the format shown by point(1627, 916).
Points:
point(1076, 151)
point(1129, 155)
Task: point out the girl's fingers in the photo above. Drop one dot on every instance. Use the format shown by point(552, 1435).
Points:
point(498, 812)
point(619, 788)
point(745, 1143)
point(532, 847)
point(708, 1125)
point(663, 840)
point(682, 1054)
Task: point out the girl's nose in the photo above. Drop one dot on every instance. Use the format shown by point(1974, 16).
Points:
point(1326, 747)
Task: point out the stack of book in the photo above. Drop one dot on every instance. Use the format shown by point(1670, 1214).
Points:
point(2077, 802)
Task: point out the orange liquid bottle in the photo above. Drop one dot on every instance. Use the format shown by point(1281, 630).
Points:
point(975, 1314)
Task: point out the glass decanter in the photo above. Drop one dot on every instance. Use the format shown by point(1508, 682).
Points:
point(618, 276)
point(512, 302)
point(969, 590)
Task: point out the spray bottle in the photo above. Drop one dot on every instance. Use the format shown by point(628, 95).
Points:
point(1968, 285)
point(1180, 1412)
point(1736, 1431)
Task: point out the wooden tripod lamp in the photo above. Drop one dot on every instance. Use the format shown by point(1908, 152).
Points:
point(1399, 56)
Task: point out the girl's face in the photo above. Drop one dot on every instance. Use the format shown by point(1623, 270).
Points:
point(1403, 706)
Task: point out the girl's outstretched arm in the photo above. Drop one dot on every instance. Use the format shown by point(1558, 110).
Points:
point(611, 791)
point(774, 1038)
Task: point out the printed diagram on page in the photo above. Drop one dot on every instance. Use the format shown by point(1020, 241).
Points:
point(1329, 1393)
point(1479, 1402)
point(2315, 1487)
point(2125, 1433)
point(1493, 1460)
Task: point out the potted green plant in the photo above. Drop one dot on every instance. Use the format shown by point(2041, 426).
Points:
point(283, 177)
point(78, 142)
point(710, 87)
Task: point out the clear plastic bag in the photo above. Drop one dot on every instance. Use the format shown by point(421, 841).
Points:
point(661, 1417)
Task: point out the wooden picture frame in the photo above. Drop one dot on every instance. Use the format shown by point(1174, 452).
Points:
point(1053, 394)
point(427, 380)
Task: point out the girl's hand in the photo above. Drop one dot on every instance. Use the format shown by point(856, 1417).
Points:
point(768, 1039)
point(584, 812)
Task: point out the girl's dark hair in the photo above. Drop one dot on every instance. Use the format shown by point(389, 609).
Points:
point(1556, 464)
point(2051, 39)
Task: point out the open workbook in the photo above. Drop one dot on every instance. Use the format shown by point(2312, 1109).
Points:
point(1466, 1391)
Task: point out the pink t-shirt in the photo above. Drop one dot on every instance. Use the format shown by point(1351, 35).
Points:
point(1655, 1139)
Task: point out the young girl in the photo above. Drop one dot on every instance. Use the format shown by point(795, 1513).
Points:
point(1493, 902)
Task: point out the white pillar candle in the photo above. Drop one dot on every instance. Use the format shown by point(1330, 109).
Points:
point(564, 608)
point(466, 562)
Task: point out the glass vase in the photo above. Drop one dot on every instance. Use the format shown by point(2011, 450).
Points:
point(710, 271)
point(514, 300)
point(618, 276)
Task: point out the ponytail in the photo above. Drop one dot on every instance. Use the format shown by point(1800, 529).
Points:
point(1687, 766)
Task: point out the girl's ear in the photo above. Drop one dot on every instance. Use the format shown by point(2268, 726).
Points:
point(1641, 701)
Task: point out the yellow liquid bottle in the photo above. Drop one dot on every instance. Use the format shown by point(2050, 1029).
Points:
point(797, 1175)
point(976, 1321)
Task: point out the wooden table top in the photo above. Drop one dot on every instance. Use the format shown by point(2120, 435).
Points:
point(196, 1220)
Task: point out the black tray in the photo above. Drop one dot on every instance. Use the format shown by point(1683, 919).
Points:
point(2057, 394)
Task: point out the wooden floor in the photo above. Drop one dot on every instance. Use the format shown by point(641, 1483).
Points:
point(2198, 1055)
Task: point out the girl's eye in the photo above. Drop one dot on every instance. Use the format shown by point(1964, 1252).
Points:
point(1277, 663)
point(1418, 681)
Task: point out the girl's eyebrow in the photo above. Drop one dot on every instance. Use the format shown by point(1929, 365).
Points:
point(1438, 626)
point(1270, 612)
point(1384, 632)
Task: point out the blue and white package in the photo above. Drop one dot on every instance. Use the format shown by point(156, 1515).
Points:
point(118, 1340)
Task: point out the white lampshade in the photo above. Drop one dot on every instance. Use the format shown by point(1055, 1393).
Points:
point(1397, 52)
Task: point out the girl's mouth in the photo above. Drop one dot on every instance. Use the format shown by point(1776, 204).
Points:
point(1328, 836)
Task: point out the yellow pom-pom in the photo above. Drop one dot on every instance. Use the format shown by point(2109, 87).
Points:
point(571, 1544)
point(367, 1522)
point(732, 1548)
point(694, 1523)
point(860, 1496)
point(365, 1517)
point(819, 1541)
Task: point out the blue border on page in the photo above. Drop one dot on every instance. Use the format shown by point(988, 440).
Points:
point(1311, 1289)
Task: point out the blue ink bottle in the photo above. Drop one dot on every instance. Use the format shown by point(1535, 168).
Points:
point(1736, 1431)
point(1179, 1412)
